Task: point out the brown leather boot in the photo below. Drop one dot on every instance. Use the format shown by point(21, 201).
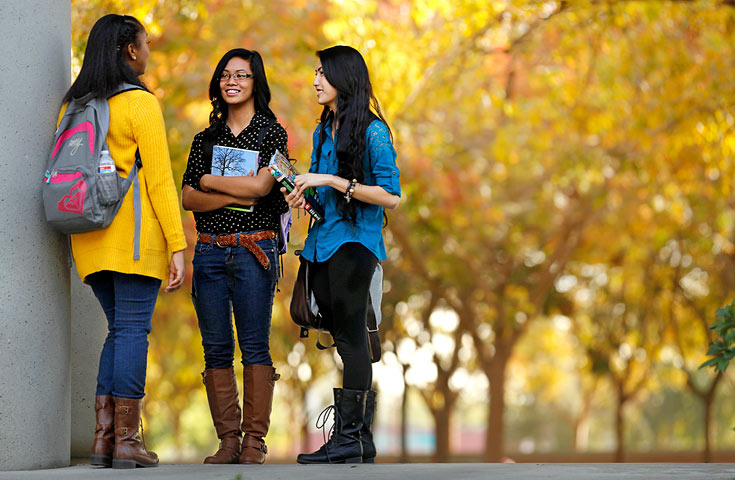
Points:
point(224, 404)
point(258, 383)
point(104, 434)
point(130, 451)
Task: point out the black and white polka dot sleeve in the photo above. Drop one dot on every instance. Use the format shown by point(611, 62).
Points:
point(275, 139)
point(195, 167)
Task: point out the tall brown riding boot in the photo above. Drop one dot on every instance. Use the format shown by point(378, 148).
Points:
point(104, 434)
point(130, 451)
point(258, 383)
point(224, 404)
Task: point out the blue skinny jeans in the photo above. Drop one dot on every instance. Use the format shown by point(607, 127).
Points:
point(128, 302)
point(227, 280)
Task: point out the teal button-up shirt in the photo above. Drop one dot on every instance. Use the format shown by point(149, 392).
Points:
point(379, 167)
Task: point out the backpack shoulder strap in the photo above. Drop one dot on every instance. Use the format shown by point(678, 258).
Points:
point(137, 206)
point(133, 178)
point(125, 87)
point(264, 131)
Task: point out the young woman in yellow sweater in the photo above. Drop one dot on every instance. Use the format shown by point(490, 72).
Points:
point(117, 52)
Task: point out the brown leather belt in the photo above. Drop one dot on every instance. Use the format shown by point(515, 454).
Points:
point(246, 240)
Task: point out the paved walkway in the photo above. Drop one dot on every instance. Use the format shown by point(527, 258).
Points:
point(419, 471)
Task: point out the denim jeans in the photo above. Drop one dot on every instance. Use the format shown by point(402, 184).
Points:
point(229, 280)
point(128, 301)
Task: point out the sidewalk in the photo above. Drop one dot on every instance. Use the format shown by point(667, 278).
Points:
point(406, 471)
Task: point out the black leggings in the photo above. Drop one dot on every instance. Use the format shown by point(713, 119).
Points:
point(341, 286)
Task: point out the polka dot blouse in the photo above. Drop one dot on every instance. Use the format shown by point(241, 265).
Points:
point(266, 214)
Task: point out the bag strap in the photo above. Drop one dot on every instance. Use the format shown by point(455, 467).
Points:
point(264, 131)
point(125, 87)
point(137, 205)
point(372, 331)
point(261, 137)
point(320, 345)
point(132, 179)
point(304, 333)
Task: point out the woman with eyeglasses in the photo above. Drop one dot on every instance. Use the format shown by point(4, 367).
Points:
point(353, 167)
point(127, 288)
point(235, 265)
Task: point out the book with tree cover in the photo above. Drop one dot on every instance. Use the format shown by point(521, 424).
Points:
point(234, 162)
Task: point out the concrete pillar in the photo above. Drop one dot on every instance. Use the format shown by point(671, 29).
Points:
point(34, 283)
point(88, 331)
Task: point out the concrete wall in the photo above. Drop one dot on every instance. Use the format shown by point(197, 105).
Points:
point(88, 330)
point(34, 284)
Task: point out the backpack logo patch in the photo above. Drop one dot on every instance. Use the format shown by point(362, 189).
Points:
point(82, 127)
point(74, 144)
point(73, 202)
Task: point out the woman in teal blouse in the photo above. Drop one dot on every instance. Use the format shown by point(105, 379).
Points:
point(353, 168)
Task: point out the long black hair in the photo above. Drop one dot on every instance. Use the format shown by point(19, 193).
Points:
point(104, 67)
point(346, 71)
point(261, 91)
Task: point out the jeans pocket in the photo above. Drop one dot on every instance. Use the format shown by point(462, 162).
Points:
point(202, 247)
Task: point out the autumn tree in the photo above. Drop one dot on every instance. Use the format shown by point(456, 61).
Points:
point(546, 149)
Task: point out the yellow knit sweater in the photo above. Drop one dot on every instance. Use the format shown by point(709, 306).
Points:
point(136, 121)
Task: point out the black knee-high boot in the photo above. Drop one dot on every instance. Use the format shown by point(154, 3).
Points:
point(345, 445)
point(368, 447)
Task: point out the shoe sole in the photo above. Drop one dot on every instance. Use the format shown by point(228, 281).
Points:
point(346, 460)
point(120, 463)
point(99, 460)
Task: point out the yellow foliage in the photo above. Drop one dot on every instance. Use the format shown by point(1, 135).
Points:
point(599, 137)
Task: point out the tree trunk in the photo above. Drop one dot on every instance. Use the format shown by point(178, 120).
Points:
point(304, 424)
point(404, 418)
point(581, 432)
point(582, 422)
point(708, 400)
point(707, 454)
point(619, 424)
point(441, 417)
point(494, 434)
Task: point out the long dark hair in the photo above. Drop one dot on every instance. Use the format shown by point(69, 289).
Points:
point(104, 67)
point(346, 71)
point(261, 91)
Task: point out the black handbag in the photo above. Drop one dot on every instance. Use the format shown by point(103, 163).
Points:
point(305, 312)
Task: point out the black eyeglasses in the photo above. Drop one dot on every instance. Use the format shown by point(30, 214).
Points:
point(238, 76)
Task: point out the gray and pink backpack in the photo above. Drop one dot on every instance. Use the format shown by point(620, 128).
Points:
point(80, 195)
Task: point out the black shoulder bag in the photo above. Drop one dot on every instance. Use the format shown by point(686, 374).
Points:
point(305, 311)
